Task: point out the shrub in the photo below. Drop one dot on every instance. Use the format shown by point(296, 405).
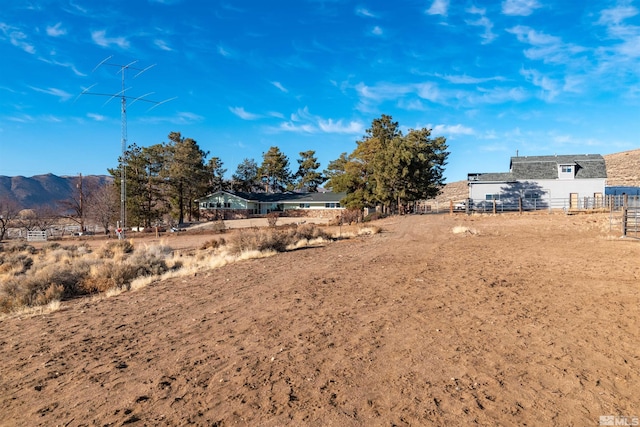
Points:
point(110, 249)
point(212, 244)
point(272, 218)
point(18, 247)
point(15, 263)
point(350, 216)
point(374, 216)
point(272, 240)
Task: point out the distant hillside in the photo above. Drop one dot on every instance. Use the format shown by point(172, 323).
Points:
point(622, 169)
point(43, 190)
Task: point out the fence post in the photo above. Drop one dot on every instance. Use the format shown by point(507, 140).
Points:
point(520, 204)
point(624, 214)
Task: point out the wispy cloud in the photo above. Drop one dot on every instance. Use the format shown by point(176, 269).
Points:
point(279, 86)
point(613, 19)
point(97, 117)
point(438, 7)
point(226, 52)
point(186, 118)
point(56, 30)
point(244, 115)
point(408, 95)
point(547, 48)
point(69, 65)
point(450, 130)
point(23, 118)
point(330, 126)
point(549, 87)
point(497, 95)
point(465, 79)
point(616, 15)
point(377, 31)
point(482, 21)
point(304, 122)
point(297, 128)
point(181, 118)
point(162, 45)
point(53, 91)
point(383, 91)
point(17, 38)
point(100, 38)
point(519, 7)
point(76, 8)
point(364, 12)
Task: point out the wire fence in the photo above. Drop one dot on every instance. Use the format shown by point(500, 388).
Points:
point(604, 203)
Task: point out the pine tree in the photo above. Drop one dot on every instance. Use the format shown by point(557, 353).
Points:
point(308, 177)
point(274, 170)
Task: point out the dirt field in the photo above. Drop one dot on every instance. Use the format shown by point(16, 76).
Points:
point(520, 320)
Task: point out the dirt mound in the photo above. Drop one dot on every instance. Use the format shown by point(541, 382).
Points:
point(527, 320)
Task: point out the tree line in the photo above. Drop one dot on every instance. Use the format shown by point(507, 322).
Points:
point(164, 180)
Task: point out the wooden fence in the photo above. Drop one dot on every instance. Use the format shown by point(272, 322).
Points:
point(36, 236)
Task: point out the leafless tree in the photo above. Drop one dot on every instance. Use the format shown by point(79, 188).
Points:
point(103, 205)
point(75, 207)
point(9, 210)
point(40, 218)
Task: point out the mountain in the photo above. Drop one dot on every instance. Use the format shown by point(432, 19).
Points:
point(44, 190)
point(623, 169)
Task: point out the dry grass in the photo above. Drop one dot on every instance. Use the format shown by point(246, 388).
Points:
point(459, 229)
point(36, 278)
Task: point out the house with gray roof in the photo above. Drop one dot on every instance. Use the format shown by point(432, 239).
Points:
point(558, 181)
point(238, 204)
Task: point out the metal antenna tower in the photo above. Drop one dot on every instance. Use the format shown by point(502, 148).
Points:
point(123, 68)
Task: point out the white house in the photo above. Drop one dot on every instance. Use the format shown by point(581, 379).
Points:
point(538, 182)
point(237, 204)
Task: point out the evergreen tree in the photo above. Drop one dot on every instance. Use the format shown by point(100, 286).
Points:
point(389, 168)
point(216, 175)
point(274, 170)
point(144, 193)
point(246, 177)
point(185, 173)
point(308, 177)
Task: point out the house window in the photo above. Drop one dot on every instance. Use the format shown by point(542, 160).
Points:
point(329, 205)
point(227, 205)
point(566, 171)
point(304, 205)
point(492, 197)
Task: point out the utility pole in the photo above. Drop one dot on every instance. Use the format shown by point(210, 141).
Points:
point(123, 68)
point(79, 186)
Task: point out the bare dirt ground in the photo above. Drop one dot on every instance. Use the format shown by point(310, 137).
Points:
point(521, 320)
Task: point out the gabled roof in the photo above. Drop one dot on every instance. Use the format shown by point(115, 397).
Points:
point(284, 197)
point(546, 167)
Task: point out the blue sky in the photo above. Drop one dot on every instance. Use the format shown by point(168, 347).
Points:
point(534, 77)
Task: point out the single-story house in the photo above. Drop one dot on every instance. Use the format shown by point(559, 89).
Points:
point(238, 204)
point(538, 182)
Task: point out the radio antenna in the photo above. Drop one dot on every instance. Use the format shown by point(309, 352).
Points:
point(122, 94)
